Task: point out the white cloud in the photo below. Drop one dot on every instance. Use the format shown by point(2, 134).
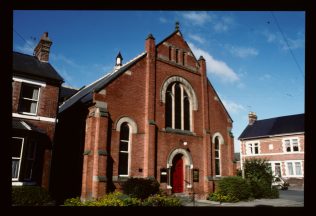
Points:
point(233, 107)
point(265, 77)
point(197, 18)
point(223, 24)
point(27, 48)
point(197, 38)
point(243, 52)
point(215, 67)
point(162, 19)
point(296, 43)
point(62, 58)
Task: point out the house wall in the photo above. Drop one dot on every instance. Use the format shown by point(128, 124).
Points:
point(278, 153)
point(47, 108)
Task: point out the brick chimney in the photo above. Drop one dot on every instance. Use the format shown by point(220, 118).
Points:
point(42, 49)
point(252, 118)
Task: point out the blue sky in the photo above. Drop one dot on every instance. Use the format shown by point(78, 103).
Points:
point(255, 60)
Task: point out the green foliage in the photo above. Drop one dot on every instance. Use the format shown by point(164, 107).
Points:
point(259, 176)
point(219, 197)
point(239, 172)
point(158, 200)
point(235, 187)
point(119, 199)
point(140, 188)
point(30, 196)
point(73, 202)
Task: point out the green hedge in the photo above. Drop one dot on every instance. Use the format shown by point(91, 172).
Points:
point(120, 200)
point(158, 200)
point(30, 196)
point(231, 189)
point(140, 188)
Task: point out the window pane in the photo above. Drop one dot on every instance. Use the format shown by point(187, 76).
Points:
point(15, 167)
point(256, 148)
point(16, 147)
point(186, 109)
point(298, 169)
point(124, 131)
point(30, 92)
point(216, 143)
point(123, 164)
point(168, 113)
point(177, 113)
point(295, 144)
point(250, 148)
point(217, 167)
point(33, 107)
point(290, 168)
point(277, 169)
point(123, 146)
point(216, 153)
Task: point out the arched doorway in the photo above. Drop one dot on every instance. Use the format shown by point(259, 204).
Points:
point(177, 174)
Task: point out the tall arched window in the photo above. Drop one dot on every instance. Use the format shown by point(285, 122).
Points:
point(217, 157)
point(178, 107)
point(124, 149)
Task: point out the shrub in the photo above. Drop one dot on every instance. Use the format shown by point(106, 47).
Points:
point(30, 196)
point(158, 200)
point(235, 187)
point(217, 196)
point(73, 202)
point(140, 188)
point(259, 176)
point(111, 199)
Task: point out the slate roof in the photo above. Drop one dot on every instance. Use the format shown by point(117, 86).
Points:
point(24, 125)
point(274, 126)
point(85, 94)
point(66, 92)
point(29, 65)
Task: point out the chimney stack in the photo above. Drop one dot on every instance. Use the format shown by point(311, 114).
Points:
point(252, 118)
point(42, 49)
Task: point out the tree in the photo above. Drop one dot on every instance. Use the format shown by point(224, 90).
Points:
point(259, 175)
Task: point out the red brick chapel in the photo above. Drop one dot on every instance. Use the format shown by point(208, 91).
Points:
point(155, 116)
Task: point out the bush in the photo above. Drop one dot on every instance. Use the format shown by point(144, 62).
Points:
point(140, 188)
point(73, 202)
point(30, 196)
point(259, 175)
point(235, 187)
point(161, 200)
point(217, 196)
point(111, 199)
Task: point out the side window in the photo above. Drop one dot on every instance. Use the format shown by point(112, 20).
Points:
point(124, 149)
point(29, 99)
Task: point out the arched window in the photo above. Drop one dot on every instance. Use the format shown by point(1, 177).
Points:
point(217, 157)
point(124, 149)
point(178, 107)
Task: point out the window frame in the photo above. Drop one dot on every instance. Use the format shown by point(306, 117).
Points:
point(128, 152)
point(19, 158)
point(184, 92)
point(218, 158)
point(291, 145)
point(293, 164)
point(22, 99)
point(253, 145)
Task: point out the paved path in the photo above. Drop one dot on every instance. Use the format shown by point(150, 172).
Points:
point(289, 198)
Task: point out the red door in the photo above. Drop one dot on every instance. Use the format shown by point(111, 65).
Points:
point(177, 174)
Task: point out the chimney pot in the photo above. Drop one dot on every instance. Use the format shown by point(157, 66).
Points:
point(252, 117)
